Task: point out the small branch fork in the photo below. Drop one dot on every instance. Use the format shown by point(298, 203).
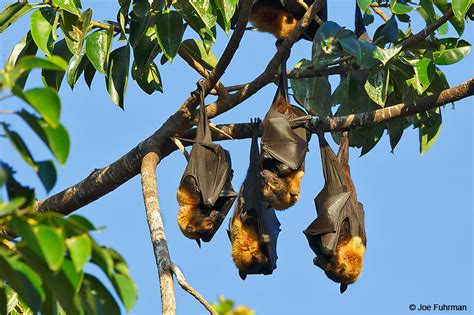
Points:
point(166, 268)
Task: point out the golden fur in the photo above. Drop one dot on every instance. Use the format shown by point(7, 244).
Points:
point(272, 20)
point(191, 220)
point(245, 244)
point(348, 260)
point(281, 192)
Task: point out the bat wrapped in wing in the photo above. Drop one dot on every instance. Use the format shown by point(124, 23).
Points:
point(283, 150)
point(205, 194)
point(337, 236)
point(254, 227)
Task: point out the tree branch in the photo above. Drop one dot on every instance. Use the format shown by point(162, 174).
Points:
point(186, 287)
point(428, 30)
point(157, 232)
point(340, 123)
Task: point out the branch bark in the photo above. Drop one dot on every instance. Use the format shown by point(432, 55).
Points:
point(157, 232)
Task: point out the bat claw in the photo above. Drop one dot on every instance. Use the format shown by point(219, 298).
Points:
point(343, 288)
point(198, 241)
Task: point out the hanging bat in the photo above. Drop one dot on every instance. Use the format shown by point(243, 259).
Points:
point(205, 194)
point(283, 150)
point(337, 236)
point(254, 227)
point(279, 17)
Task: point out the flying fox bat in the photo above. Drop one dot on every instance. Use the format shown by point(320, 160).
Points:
point(205, 194)
point(254, 227)
point(283, 150)
point(337, 236)
point(279, 17)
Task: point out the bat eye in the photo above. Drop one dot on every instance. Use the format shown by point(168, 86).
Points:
point(289, 19)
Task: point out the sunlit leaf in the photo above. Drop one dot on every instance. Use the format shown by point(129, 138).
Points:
point(451, 50)
point(13, 12)
point(41, 29)
point(195, 48)
point(80, 249)
point(98, 46)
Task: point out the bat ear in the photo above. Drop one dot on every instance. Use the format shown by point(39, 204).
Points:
point(198, 241)
point(242, 275)
point(228, 235)
point(343, 288)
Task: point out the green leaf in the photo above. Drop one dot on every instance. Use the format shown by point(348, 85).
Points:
point(372, 136)
point(460, 7)
point(76, 66)
point(45, 101)
point(102, 258)
point(47, 174)
point(424, 73)
point(325, 44)
point(20, 145)
point(117, 78)
point(126, 290)
point(49, 63)
point(148, 78)
point(398, 7)
point(457, 23)
point(387, 33)
point(169, 30)
point(225, 12)
point(68, 5)
point(13, 12)
point(195, 48)
point(15, 189)
point(56, 139)
point(314, 94)
point(364, 4)
point(451, 50)
point(352, 46)
point(199, 14)
point(97, 294)
point(22, 279)
point(395, 130)
point(384, 55)
point(89, 73)
point(25, 47)
point(80, 249)
point(75, 29)
point(51, 245)
point(54, 78)
point(377, 84)
point(98, 46)
point(429, 129)
point(41, 29)
point(81, 221)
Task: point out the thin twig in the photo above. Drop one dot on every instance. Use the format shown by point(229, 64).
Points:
point(181, 147)
point(157, 232)
point(380, 13)
point(186, 287)
point(6, 112)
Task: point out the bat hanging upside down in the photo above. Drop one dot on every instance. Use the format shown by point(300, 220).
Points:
point(337, 236)
point(283, 150)
point(254, 227)
point(279, 17)
point(205, 194)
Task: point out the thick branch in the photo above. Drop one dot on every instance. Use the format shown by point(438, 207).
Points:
point(186, 287)
point(157, 232)
point(340, 123)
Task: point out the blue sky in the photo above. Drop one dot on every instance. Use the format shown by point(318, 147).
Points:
point(418, 208)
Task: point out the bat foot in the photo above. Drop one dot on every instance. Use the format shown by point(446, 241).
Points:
point(343, 288)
